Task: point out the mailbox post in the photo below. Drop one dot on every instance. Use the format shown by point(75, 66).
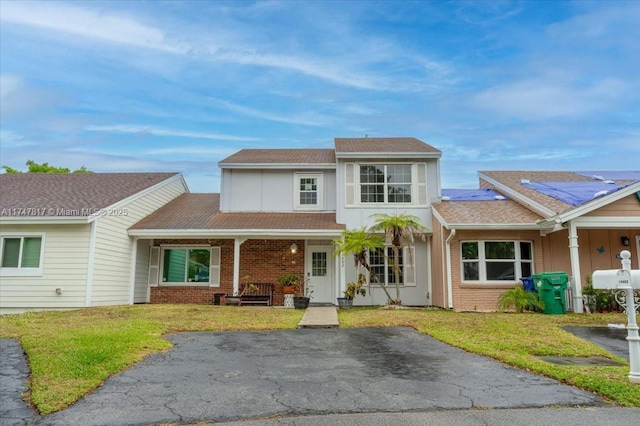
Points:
point(627, 280)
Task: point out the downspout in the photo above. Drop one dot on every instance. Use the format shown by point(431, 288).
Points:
point(575, 268)
point(236, 263)
point(132, 279)
point(449, 279)
point(91, 261)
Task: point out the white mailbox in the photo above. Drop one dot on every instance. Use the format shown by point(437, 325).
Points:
point(613, 279)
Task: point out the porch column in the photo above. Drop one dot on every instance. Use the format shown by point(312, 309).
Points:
point(236, 263)
point(575, 268)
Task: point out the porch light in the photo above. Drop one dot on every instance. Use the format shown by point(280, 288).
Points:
point(624, 241)
point(294, 248)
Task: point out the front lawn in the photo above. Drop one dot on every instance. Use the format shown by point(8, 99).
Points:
point(72, 353)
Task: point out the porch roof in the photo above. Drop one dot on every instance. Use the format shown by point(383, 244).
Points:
point(488, 214)
point(192, 214)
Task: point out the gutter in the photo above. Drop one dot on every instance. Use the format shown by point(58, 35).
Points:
point(449, 279)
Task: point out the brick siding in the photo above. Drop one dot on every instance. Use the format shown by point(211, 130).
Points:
point(260, 261)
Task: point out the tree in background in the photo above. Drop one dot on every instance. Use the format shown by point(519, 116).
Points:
point(45, 168)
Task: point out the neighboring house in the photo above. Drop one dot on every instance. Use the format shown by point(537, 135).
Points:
point(279, 211)
point(70, 241)
point(521, 222)
point(64, 241)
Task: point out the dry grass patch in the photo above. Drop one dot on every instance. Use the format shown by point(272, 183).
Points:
point(71, 353)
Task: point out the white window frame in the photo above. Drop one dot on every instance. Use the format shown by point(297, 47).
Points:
point(413, 184)
point(319, 191)
point(22, 271)
point(482, 261)
point(212, 268)
point(407, 276)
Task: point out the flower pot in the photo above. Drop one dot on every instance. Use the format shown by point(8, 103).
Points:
point(300, 302)
point(232, 300)
point(344, 303)
point(288, 289)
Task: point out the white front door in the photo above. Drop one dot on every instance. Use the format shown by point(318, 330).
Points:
point(319, 274)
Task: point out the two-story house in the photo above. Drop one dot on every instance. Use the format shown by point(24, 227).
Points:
point(72, 241)
point(279, 211)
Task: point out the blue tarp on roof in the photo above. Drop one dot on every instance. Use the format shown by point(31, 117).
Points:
point(471, 195)
point(612, 175)
point(574, 193)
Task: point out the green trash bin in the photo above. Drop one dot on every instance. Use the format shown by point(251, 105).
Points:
point(551, 288)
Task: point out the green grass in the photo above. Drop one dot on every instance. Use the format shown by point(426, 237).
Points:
point(71, 353)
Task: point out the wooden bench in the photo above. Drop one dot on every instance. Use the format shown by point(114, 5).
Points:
point(259, 294)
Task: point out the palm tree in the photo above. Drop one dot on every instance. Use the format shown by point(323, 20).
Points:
point(399, 230)
point(360, 243)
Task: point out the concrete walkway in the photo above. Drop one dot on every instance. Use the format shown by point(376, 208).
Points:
point(320, 317)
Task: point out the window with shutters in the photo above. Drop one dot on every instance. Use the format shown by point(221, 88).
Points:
point(21, 255)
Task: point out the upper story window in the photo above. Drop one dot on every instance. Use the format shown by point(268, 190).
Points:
point(308, 188)
point(21, 255)
point(385, 183)
point(496, 260)
point(369, 184)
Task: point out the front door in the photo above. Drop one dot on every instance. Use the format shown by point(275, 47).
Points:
point(319, 274)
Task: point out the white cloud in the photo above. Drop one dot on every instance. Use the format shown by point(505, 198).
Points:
point(543, 99)
point(9, 83)
point(308, 119)
point(160, 131)
point(84, 22)
point(193, 150)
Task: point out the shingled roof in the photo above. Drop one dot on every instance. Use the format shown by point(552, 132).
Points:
point(383, 145)
point(35, 194)
point(202, 212)
point(486, 214)
point(281, 156)
point(512, 180)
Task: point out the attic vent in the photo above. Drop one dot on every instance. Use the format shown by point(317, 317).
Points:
point(525, 181)
point(499, 197)
point(600, 194)
point(445, 198)
point(598, 177)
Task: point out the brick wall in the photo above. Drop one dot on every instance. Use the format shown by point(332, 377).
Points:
point(264, 260)
point(479, 296)
point(260, 260)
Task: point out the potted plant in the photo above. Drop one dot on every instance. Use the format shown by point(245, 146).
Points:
point(289, 282)
point(352, 290)
point(237, 296)
point(303, 295)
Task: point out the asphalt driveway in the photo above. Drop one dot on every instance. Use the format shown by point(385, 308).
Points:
point(240, 375)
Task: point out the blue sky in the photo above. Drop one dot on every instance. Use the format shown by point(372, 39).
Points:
point(178, 86)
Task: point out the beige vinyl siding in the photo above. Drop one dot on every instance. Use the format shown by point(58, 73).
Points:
point(113, 252)
point(628, 206)
point(141, 292)
point(64, 265)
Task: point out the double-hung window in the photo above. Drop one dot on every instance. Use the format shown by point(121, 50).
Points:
point(385, 183)
point(308, 191)
point(21, 255)
point(497, 261)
